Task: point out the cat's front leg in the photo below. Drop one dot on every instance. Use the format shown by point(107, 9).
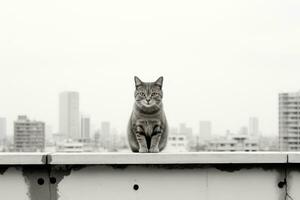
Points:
point(155, 140)
point(141, 139)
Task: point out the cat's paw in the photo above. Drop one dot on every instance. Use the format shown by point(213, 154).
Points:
point(154, 150)
point(158, 130)
point(143, 150)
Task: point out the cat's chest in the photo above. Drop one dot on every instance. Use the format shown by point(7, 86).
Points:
point(148, 125)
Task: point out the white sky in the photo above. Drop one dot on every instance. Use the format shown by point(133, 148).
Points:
point(222, 61)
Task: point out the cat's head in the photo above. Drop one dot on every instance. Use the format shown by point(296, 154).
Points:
point(148, 95)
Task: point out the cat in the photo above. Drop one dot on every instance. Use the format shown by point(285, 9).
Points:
point(148, 128)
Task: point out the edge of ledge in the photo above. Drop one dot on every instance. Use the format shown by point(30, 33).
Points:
point(168, 158)
point(23, 158)
point(47, 158)
point(293, 157)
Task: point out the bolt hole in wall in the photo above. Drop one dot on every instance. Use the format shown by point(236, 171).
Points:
point(52, 180)
point(281, 184)
point(41, 181)
point(135, 187)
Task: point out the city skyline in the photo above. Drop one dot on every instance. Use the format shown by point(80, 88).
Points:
point(121, 124)
point(204, 127)
point(181, 128)
point(29, 136)
point(74, 134)
point(106, 137)
point(93, 127)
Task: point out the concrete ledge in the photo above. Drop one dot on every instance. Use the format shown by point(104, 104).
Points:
point(138, 158)
point(168, 158)
point(23, 158)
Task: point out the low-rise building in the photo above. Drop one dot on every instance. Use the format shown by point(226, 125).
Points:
point(177, 143)
point(69, 145)
point(29, 136)
point(234, 143)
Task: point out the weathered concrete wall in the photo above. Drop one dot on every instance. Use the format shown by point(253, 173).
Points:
point(172, 182)
point(216, 179)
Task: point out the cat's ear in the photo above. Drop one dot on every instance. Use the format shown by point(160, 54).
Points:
point(159, 81)
point(137, 81)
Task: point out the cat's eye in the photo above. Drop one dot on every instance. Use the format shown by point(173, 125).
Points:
point(142, 94)
point(154, 94)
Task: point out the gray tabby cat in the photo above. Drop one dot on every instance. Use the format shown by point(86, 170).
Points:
point(148, 128)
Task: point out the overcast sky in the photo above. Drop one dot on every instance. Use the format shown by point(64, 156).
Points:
point(222, 61)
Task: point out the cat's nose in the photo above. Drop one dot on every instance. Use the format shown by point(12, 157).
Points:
point(148, 99)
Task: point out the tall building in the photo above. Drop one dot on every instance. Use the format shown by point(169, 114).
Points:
point(2, 128)
point(97, 144)
point(289, 121)
point(69, 115)
point(29, 136)
point(254, 126)
point(105, 135)
point(204, 130)
point(85, 127)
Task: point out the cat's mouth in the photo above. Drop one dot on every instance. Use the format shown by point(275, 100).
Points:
point(148, 105)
